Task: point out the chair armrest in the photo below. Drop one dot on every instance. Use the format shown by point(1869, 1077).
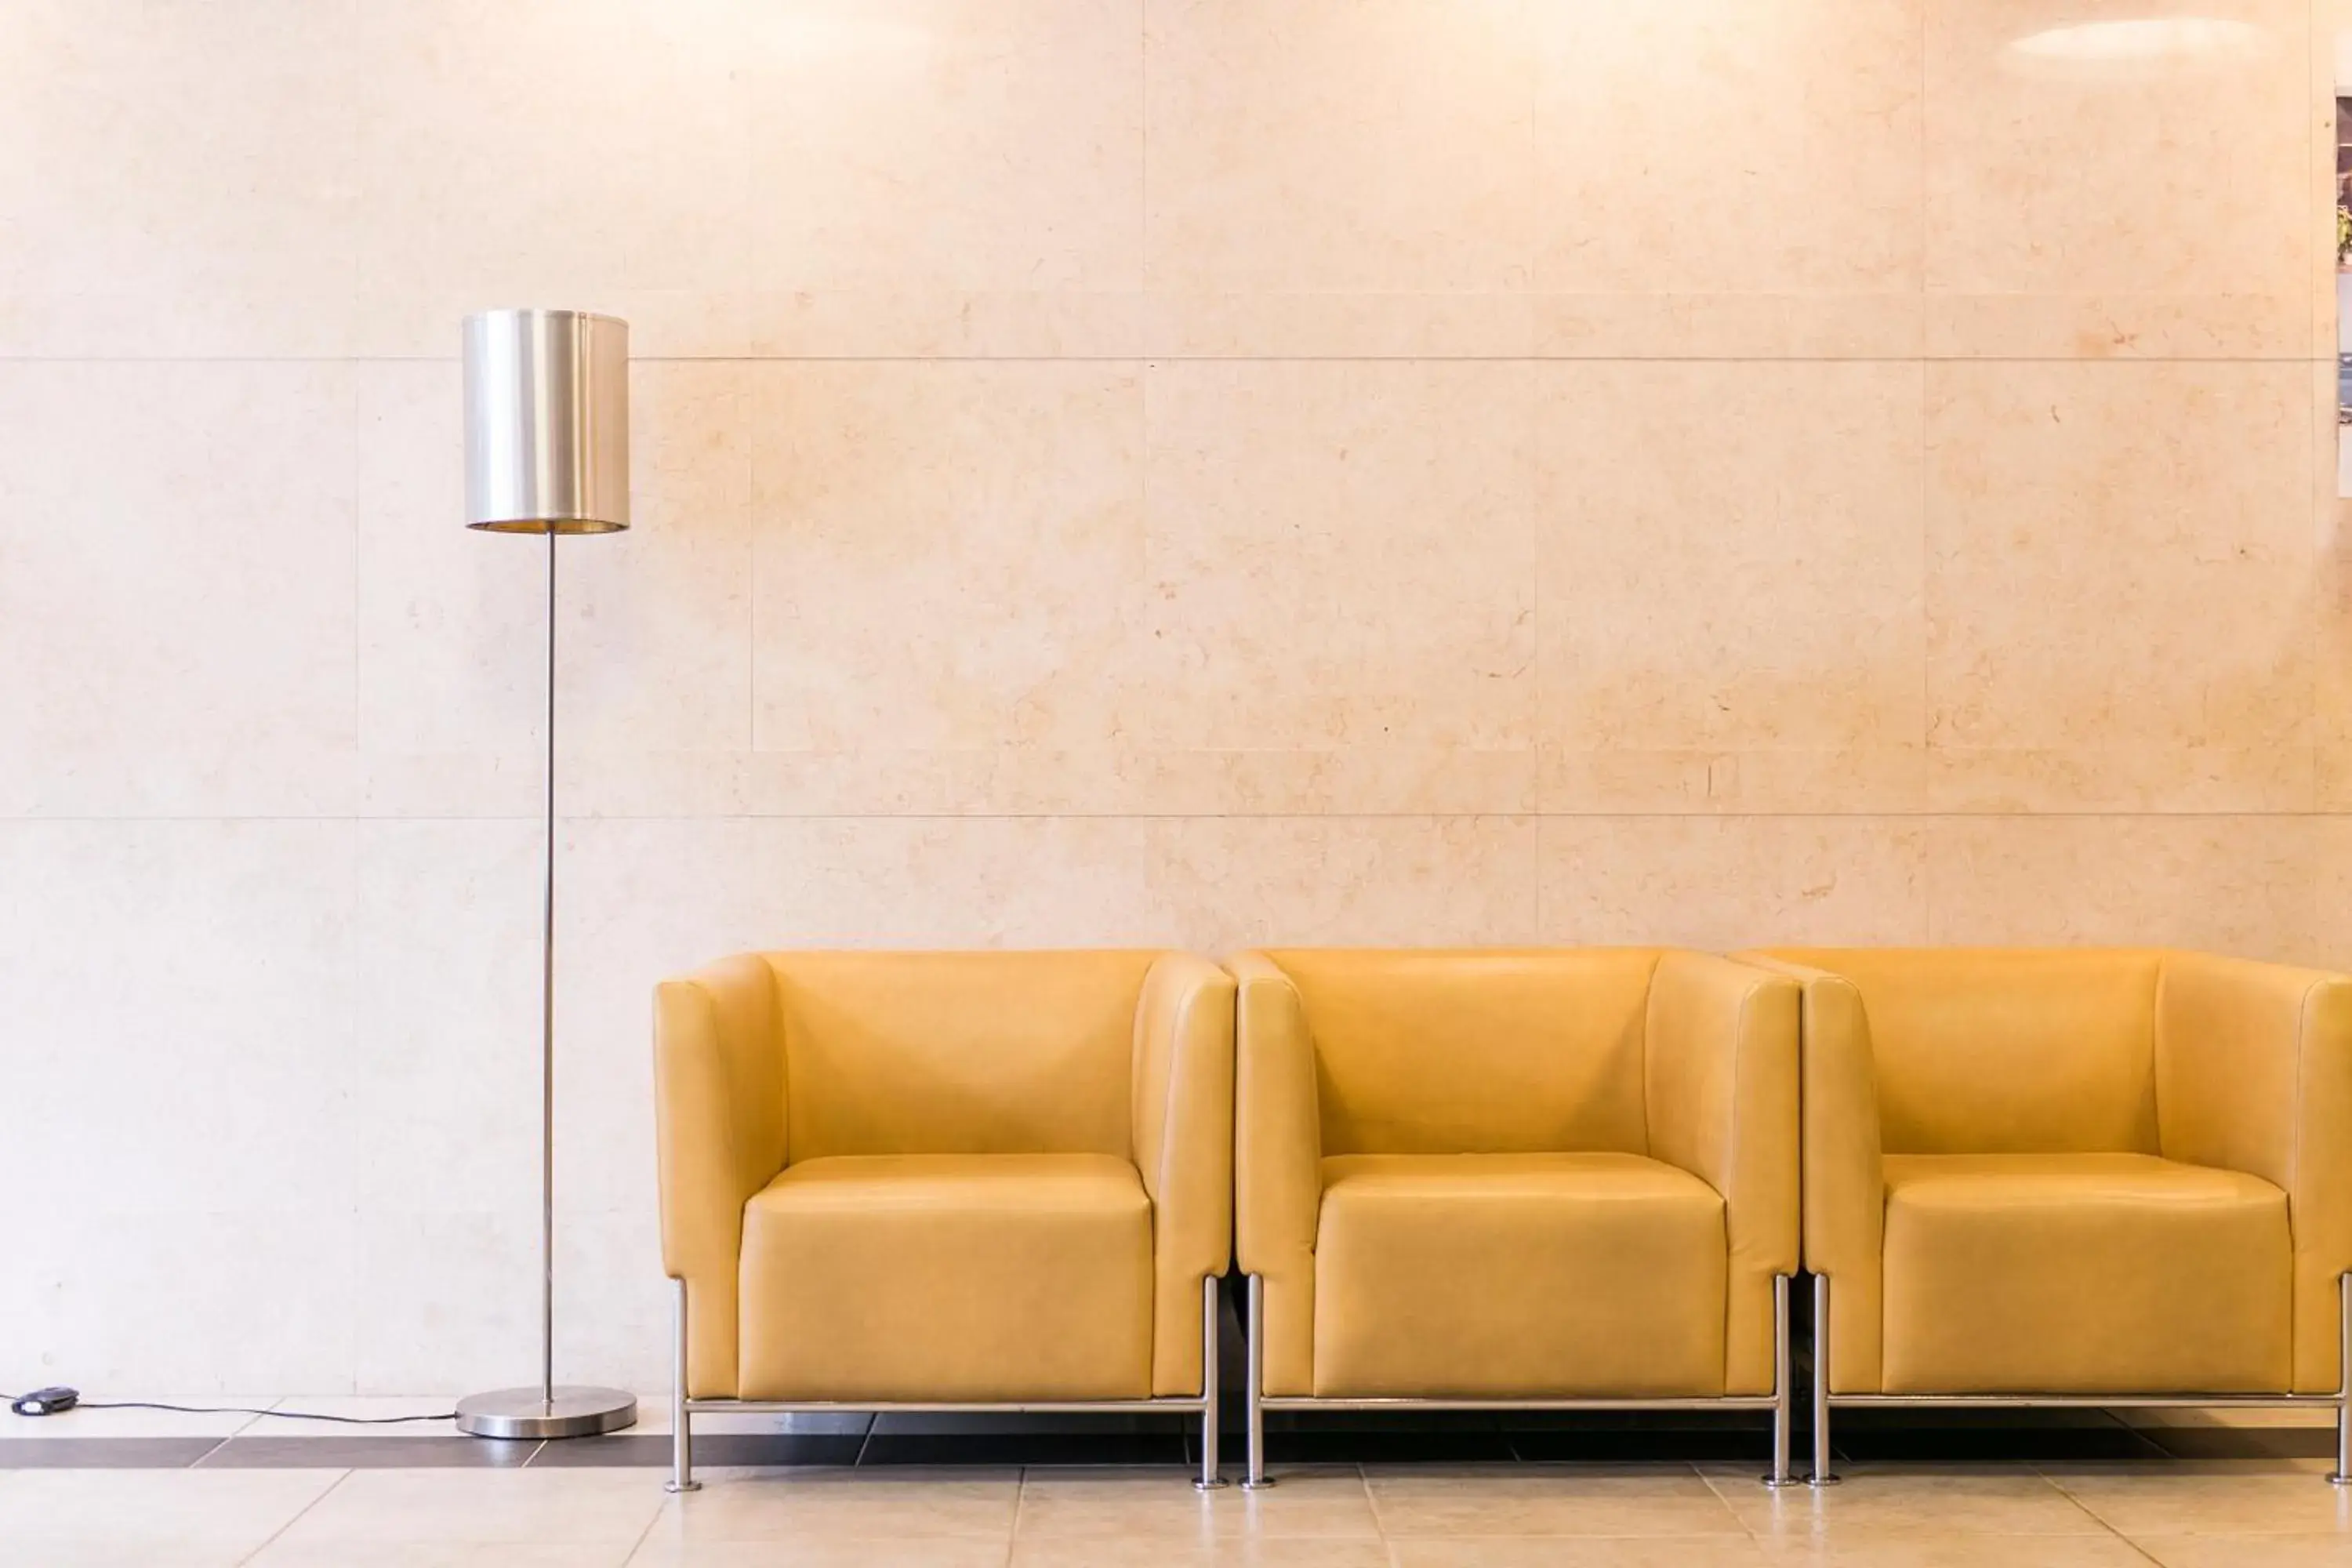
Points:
point(1844, 1165)
point(1719, 1078)
point(1182, 1135)
point(719, 1115)
point(2253, 1073)
point(1277, 1163)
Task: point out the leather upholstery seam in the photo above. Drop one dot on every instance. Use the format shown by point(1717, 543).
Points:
point(2155, 1046)
point(731, 1146)
point(2295, 1108)
point(1243, 985)
point(726, 1138)
point(1738, 1061)
point(1311, 1281)
point(1731, 1164)
point(784, 1066)
point(1649, 1002)
point(2295, 1186)
point(1177, 1028)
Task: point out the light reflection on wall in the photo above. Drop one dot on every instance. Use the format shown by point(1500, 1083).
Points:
point(2142, 41)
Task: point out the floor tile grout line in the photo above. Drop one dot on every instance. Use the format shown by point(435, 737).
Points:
point(2040, 1469)
point(1372, 1506)
point(299, 1514)
point(646, 1534)
point(1755, 1537)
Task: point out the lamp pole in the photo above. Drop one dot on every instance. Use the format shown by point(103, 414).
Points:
point(547, 451)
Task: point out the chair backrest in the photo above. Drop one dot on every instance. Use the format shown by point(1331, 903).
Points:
point(2007, 1050)
point(1476, 1050)
point(957, 1053)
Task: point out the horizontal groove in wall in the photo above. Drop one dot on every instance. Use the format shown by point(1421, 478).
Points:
point(1796, 815)
point(451, 360)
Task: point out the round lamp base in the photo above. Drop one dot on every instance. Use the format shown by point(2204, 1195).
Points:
point(524, 1413)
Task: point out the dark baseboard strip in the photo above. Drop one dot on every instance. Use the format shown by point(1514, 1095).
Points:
point(366, 1453)
point(720, 1449)
point(1294, 1439)
point(104, 1453)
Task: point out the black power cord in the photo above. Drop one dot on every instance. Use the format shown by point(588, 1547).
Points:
point(58, 1401)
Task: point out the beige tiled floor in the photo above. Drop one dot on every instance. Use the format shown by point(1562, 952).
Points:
point(2184, 1515)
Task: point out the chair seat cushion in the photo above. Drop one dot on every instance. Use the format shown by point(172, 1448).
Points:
point(1516, 1276)
point(2083, 1274)
point(949, 1278)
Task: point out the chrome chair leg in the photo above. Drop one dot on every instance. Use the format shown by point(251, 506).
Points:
point(1779, 1477)
point(2342, 1474)
point(681, 1422)
point(1254, 1476)
point(1822, 1474)
point(1209, 1480)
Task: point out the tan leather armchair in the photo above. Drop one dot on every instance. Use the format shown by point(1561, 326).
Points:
point(946, 1180)
point(1543, 1178)
point(2090, 1176)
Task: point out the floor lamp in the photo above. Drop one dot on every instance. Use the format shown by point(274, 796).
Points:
point(547, 451)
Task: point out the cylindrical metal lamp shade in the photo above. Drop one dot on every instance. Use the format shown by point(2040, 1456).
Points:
point(547, 422)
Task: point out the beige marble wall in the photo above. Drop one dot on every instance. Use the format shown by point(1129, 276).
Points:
point(1189, 471)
